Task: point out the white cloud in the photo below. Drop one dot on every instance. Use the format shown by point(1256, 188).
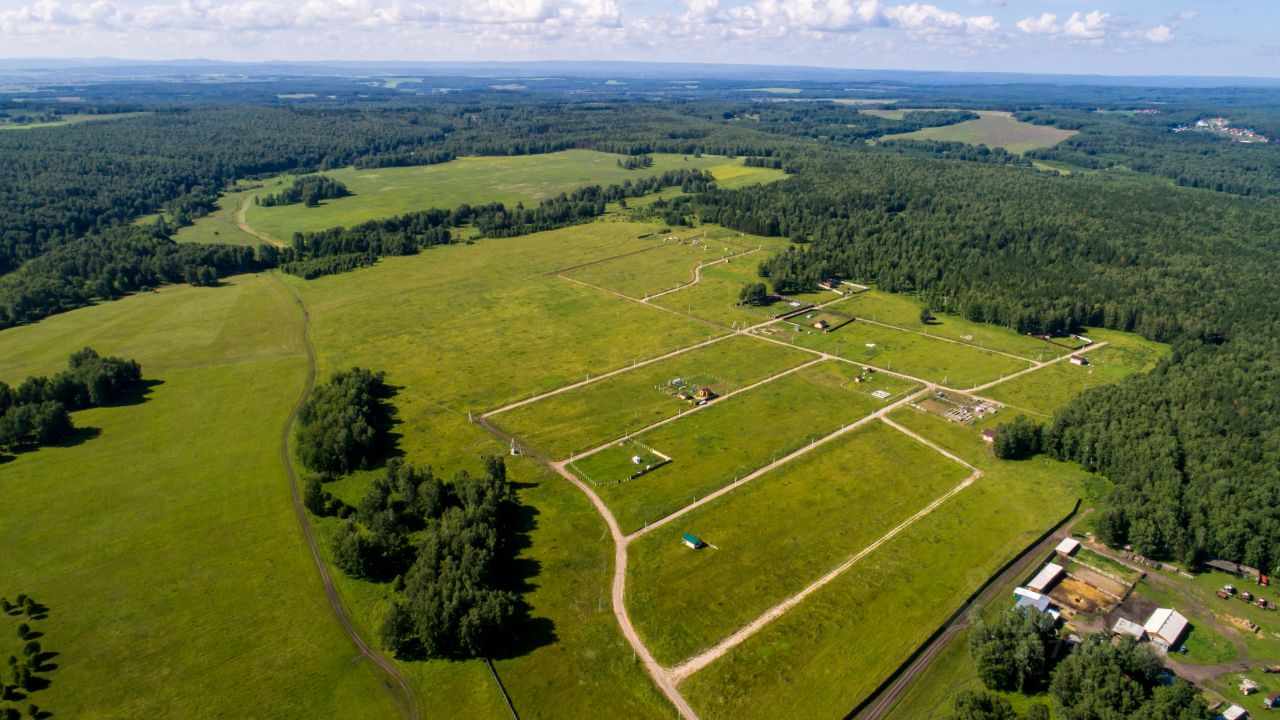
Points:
point(1090, 26)
point(1160, 34)
point(1187, 15)
point(1046, 24)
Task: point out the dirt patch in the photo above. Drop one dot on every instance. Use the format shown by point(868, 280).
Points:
point(1099, 581)
point(1081, 598)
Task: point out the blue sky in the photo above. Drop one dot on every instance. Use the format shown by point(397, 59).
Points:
point(1112, 37)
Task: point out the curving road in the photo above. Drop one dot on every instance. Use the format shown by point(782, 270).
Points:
point(407, 702)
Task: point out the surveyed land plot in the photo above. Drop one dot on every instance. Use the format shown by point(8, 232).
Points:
point(949, 364)
point(827, 654)
point(903, 312)
point(671, 262)
point(731, 439)
point(715, 296)
point(164, 544)
point(1053, 386)
point(993, 129)
point(771, 537)
point(593, 414)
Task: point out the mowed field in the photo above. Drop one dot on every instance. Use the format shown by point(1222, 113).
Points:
point(1052, 387)
point(824, 656)
point(771, 537)
point(583, 418)
point(729, 440)
point(993, 129)
point(953, 365)
point(670, 264)
point(164, 543)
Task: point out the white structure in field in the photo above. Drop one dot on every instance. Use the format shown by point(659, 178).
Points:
point(1166, 628)
point(1068, 546)
point(1044, 579)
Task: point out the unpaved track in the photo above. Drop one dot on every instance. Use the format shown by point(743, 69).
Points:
point(242, 222)
point(406, 701)
point(696, 663)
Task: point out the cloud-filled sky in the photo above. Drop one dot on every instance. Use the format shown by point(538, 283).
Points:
point(1113, 37)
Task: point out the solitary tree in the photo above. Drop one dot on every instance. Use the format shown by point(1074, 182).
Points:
point(926, 315)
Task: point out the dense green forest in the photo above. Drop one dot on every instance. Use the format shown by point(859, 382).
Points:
point(1192, 447)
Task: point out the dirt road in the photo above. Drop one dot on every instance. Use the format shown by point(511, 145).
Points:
point(395, 680)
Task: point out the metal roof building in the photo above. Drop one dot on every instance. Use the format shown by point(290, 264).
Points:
point(1166, 627)
point(1068, 546)
point(1047, 576)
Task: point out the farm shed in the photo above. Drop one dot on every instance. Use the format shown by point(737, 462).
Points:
point(693, 541)
point(1045, 579)
point(989, 435)
point(1079, 360)
point(1068, 547)
point(1166, 627)
point(1272, 701)
point(1235, 712)
point(1130, 628)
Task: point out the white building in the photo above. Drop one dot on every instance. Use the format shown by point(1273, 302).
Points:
point(1068, 546)
point(1235, 712)
point(1166, 627)
point(1130, 628)
point(1045, 579)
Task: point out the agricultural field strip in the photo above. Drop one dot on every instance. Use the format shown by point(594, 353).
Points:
point(698, 662)
point(690, 411)
point(1037, 363)
point(878, 414)
point(584, 283)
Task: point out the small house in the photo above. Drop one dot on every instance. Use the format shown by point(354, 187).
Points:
point(1272, 701)
point(989, 435)
point(703, 393)
point(1166, 628)
point(1079, 360)
point(821, 325)
point(1068, 547)
point(1235, 712)
point(1130, 628)
point(684, 395)
point(1045, 579)
point(693, 541)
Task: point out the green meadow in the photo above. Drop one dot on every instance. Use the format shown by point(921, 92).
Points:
point(773, 536)
point(668, 265)
point(715, 297)
point(729, 440)
point(831, 651)
point(993, 129)
point(1052, 387)
point(952, 365)
point(577, 420)
point(164, 542)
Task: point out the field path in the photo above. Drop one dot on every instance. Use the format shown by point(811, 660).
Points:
point(877, 415)
point(1036, 363)
point(697, 275)
point(696, 663)
point(1038, 366)
point(407, 702)
point(242, 222)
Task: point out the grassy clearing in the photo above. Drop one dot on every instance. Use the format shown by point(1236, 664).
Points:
point(1190, 593)
point(667, 265)
point(166, 547)
point(714, 298)
point(993, 129)
point(904, 312)
point(1085, 556)
point(823, 657)
point(583, 418)
point(777, 534)
point(72, 119)
point(220, 226)
point(1052, 387)
point(731, 439)
point(384, 192)
point(956, 366)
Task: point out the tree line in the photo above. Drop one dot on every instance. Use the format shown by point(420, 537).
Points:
point(37, 412)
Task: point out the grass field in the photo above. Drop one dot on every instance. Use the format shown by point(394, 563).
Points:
point(728, 440)
point(384, 192)
point(72, 119)
point(580, 419)
point(952, 365)
point(166, 547)
point(777, 534)
point(220, 226)
point(714, 297)
point(667, 265)
point(1052, 387)
point(472, 327)
point(902, 311)
point(826, 655)
point(993, 129)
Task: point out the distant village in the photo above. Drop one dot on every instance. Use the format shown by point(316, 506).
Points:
point(1222, 126)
